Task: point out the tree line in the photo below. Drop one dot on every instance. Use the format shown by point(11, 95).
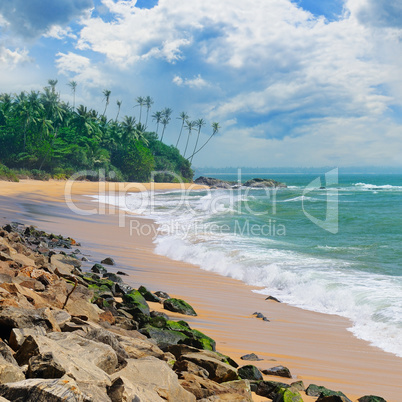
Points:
point(41, 133)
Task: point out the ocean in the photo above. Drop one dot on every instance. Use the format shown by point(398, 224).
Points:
point(331, 244)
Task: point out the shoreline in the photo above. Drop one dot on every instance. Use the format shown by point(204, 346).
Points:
point(316, 347)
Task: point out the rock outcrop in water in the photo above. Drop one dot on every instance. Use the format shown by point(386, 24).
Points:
point(264, 183)
point(253, 183)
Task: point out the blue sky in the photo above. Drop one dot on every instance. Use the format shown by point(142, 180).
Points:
point(291, 83)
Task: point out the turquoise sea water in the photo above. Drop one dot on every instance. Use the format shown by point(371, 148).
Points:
point(335, 249)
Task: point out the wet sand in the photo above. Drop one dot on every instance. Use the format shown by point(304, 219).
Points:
point(317, 348)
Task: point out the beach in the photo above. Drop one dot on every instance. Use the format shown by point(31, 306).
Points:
point(317, 348)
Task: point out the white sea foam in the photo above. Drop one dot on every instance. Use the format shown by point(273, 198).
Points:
point(371, 301)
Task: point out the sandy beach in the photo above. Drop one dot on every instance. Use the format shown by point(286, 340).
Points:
point(317, 348)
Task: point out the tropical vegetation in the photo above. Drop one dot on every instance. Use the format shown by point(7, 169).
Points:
point(42, 136)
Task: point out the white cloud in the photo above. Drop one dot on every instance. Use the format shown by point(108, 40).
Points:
point(11, 58)
point(197, 82)
point(81, 69)
point(58, 32)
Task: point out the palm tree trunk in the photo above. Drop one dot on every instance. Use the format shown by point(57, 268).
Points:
point(181, 129)
point(185, 150)
point(196, 143)
point(163, 132)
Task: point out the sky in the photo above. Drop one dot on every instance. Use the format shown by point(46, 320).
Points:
point(291, 83)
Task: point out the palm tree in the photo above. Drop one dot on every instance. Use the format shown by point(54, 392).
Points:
point(129, 131)
point(119, 102)
point(140, 102)
point(157, 116)
point(73, 86)
point(183, 117)
point(189, 126)
point(52, 84)
point(148, 103)
point(215, 129)
point(198, 123)
point(106, 94)
point(166, 119)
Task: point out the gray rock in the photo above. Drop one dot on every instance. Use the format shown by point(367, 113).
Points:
point(279, 371)
point(250, 372)
point(137, 348)
point(42, 390)
point(155, 376)
point(269, 389)
point(251, 357)
point(108, 261)
point(218, 370)
point(9, 372)
point(18, 335)
point(64, 265)
point(371, 398)
point(44, 366)
point(263, 183)
point(16, 317)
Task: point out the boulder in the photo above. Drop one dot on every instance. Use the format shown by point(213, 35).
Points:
point(250, 372)
point(44, 366)
point(178, 306)
point(299, 385)
point(99, 269)
point(18, 335)
point(15, 317)
point(322, 392)
point(333, 398)
point(108, 261)
point(279, 371)
point(108, 338)
point(43, 390)
point(269, 389)
point(288, 395)
point(251, 357)
point(211, 182)
point(154, 375)
point(7, 353)
point(113, 277)
point(82, 359)
point(190, 368)
point(217, 370)
point(137, 348)
point(371, 398)
point(135, 300)
point(148, 296)
point(162, 295)
point(64, 265)
point(203, 388)
point(10, 372)
point(123, 390)
point(164, 337)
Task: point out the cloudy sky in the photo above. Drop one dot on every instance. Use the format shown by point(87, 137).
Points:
point(291, 83)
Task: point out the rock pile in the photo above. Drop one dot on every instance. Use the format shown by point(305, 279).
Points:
point(68, 334)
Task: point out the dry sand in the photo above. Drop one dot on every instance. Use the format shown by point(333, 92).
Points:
point(317, 348)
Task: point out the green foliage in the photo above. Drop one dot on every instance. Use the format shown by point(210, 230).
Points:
point(43, 137)
point(7, 174)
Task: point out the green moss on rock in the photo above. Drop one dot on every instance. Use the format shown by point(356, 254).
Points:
point(178, 306)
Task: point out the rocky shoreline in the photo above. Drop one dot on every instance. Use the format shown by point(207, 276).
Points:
point(72, 331)
point(253, 183)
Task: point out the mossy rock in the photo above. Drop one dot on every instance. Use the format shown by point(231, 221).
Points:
point(206, 342)
point(288, 395)
point(178, 306)
point(371, 398)
point(158, 322)
point(250, 372)
point(163, 337)
point(322, 392)
point(148, 296)
point(136, 301)
point(99, 269)
point(178, 326)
